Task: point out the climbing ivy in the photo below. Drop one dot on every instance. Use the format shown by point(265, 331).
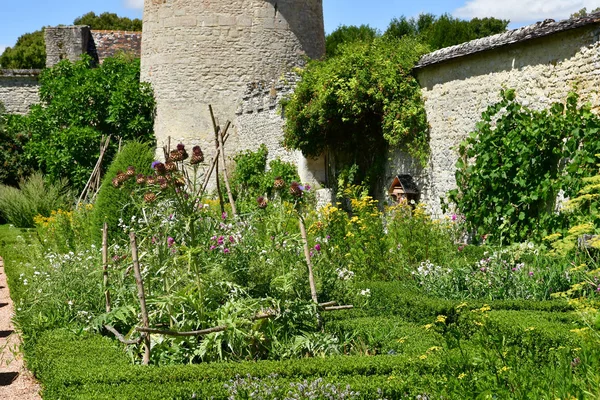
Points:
point(517, 161)
point(359, 102)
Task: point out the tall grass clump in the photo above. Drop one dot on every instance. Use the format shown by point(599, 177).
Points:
point(35, 196)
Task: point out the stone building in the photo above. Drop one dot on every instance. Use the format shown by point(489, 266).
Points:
point(542, 62)
point(236, 55)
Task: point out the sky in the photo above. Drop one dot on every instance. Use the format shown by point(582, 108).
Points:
point(25, 16)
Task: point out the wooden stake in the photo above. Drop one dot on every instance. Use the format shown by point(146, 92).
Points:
point(213, 162)
point(311, 278)
point(220, 144)
point(141, 296)
point(105, 266)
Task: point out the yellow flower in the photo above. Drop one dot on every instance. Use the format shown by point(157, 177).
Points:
point(428, 326)
point(531, 328)
point(441, 318)
point(461, 305)
point(462, 375)
point(504, 369)
point(423, 357)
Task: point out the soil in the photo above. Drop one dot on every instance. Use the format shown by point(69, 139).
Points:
point(16, 382)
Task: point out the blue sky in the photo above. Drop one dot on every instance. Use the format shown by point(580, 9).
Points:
point(24, 16)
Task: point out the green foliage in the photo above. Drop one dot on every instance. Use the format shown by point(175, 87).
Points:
point(28, 53)
point(251, 178)
point(114, 204)
point(445, 30)
point(584, 12)
point(13, 165)
point(109, 21)
point(79, 105)
point(512, 167)
point(358, 103)
point(345, 34)
point(33, 197)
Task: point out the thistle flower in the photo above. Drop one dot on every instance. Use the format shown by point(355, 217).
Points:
point(149, 197)
point(130, 171)
point(159, 168)
point(262, 202)
point(279, 183)
point(140, 179)
point(151, 180)
point(115, 182)
point(197, 156)
point(171, 166)
point(121, 176)
point(179, 181)
point(162, 182)
point(295, 189)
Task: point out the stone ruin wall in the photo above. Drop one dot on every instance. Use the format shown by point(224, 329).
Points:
point(19, 89)
point(456, 92)
point(234, 55)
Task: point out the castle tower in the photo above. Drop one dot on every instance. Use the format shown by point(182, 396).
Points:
point(231, 54)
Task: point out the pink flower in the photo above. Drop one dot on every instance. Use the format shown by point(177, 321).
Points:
point(454, 217)
point(213, 247)
point(317, 247)
point(220, 240)
point(231, 239)
point(224, 216)
point(226, 251)
point(530, 273)
point(170, 241)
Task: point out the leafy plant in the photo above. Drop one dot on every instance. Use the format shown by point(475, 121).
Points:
point(79, 105)
point(13, 164)
point(358, 103)
point(513, 166)
point(33, 197)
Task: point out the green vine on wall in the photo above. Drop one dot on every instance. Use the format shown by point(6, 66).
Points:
point(360, 102)
point(516, 162)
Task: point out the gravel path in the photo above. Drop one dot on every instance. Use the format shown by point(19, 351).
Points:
point(16, 382)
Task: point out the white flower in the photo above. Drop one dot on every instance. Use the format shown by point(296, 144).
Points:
point(365, 292)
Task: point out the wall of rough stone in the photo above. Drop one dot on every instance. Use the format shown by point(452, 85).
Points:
point(457, 91)
point(198, 52)
point(110, 43)
point(66, 42)
point(19, 89)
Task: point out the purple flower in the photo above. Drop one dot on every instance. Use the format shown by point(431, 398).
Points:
point(483, 269)
point(530, 273)
point(231, 239)
point(213, 238)
point(454, 217)
point(220, 240)
point(213, 247)
point(312, 253)
point(154, 164)
point(170, 241)
point(317, 247)
point(307, 187)
point(328, 237)
point(116, 258)
point(226, 251)
point(224, 216)
point(154, 240)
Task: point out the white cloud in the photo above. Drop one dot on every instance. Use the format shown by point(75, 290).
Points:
point(135, 4)
point(523, 10)
point(2, 48)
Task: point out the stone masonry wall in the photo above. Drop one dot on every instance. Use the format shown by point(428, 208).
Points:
point(66, 42)
point(110, 43)
point(19, 89)
point(197, 53)
point(457, 91)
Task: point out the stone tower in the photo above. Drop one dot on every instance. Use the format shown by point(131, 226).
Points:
point(231, 54)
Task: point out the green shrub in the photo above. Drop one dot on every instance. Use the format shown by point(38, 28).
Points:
point(34, 197)
point(80, 104)
point(14, 165)
point(114, 204)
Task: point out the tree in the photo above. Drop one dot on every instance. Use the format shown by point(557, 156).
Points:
point(358, 103)
point(30, 49)
point(79, 105)
point(13, 165)
point(109, 21)
point(348, 34)
point(28, 52)
point(444, 31)
point(584, 13)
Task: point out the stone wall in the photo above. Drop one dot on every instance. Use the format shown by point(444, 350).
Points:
point(110, 43)
point(66, 42)
point(19, 89)
point(456, 91)
point(197, 52)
